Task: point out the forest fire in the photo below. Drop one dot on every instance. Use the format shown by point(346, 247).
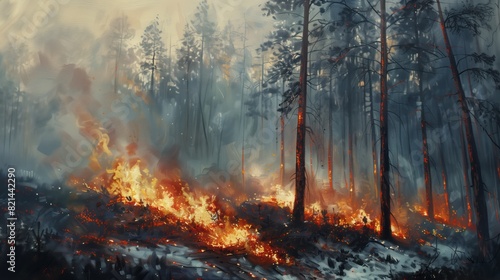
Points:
point(133, 184)
point(323, 141)
point(339, 214)
point(171, 201)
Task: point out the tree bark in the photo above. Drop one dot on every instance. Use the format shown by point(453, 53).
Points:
point(282, 144)
point(330, 136)
point(444, 174)
point(385, 190)
point(482, 223)
point(188, 99)
point(242, 115)
point(465, 171)
point(300, 169)
point(352, 190)
point(151, 88)
point(200, 91)
point(423, 125)
point(373, 135)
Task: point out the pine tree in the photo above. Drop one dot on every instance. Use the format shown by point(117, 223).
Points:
point(154, 52)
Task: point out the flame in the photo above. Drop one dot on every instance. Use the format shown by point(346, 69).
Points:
point(279, 196)
point(346, 215)
point(134, 183)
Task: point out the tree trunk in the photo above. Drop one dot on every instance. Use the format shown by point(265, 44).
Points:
point(300, 169)
point(427, 167)
point(282, 144)
point(444, 177)
point(444, 173)
point(373, 135)
point(310, 175)
point(465, 171)
point(151, 88)
point(115, 85)
point(477, 180)
point(261, 82)
point(498, 175)
point(5, 98)
point(200, 91)
point(282, 150)
point(352, 190)
point(242, 115)
point(117, 60)
point(330, 136)
point(423, 125)
point(385, 189)
point(188, 99)
point(220, 144)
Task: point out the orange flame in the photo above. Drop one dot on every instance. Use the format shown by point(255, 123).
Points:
point(133, 183)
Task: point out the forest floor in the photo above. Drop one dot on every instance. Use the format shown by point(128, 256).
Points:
point(64, 234)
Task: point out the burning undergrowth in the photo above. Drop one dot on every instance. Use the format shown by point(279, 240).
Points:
point(195, 213)
point(213, 218)
point(129, 223)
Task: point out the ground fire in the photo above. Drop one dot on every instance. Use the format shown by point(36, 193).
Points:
point(268, 139)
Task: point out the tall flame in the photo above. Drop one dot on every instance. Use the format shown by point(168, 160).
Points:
point(133, 183)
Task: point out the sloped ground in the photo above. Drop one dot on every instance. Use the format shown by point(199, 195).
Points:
point(88, 236)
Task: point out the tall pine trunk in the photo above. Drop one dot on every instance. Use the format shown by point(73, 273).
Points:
point(117, 59)
point(242, 116)
point(300, 168)
point(282, 144)
point(465, 171)
point(187, 132)
point(201, 120)
point(152, 83)
point(482, 223)
point(385, 189)
point(352, 190)
point(373, 135)
point(423, 125)
point(444, 174)
point(330, 135)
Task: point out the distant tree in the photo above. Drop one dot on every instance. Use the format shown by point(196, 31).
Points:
point(154, 52)
point(206, 29)
point(7, 90)
point(168, 86)
point(188, 64)
point(118, 36)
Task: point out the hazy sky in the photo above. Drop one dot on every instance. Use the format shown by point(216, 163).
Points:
point(28, 20)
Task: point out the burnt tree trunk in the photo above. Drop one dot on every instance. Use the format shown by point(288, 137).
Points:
point(282, 143)
point(352, 190)
point(465, 171)
point(300, 168)
point(330, 135)
point(385, 189)
point(483, 234)
point(444, 174)
point(188, 100)
point(373, 135)
point(423, 125)
point(242, 115)
point(427, 167)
